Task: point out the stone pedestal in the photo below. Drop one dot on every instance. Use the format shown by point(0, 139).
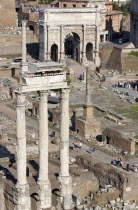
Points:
point(23, 67)
point(65, 178)
point(66, 192)
point(44, 195)
point(88, 126)
point(44, 183)
point(22, 197)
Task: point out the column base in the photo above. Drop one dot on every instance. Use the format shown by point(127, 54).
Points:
point(22, 197)
point(44, 195)
point(66, 192)
point(24, 68)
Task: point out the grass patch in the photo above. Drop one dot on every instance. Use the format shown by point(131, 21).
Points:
point(133, 115)
point(131, 109)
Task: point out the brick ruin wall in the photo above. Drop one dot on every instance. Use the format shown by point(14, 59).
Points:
point(118, 140)
point(125, 182)
point(108, 55)
point(7, 13)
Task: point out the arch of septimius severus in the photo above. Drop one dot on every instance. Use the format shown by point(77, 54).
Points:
point(73, 32)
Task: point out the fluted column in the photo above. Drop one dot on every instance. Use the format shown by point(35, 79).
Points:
point(43, 180)
point(97, 42)
point(83, 44)
point(48, 44)
point(24, 66)
point(62, 53)
point(65, 178)
point(23, 196)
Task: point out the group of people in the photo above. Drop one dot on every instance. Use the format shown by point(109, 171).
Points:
point(91, 149)
point(131, 84)
point(77, 145)
point(118, 162)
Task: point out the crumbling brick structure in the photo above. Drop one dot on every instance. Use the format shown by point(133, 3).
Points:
point(124, 181)
point(121, 137)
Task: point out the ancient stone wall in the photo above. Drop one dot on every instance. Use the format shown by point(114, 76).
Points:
point(13, 43)
point(117, 139)
point(7, 13)
point(114, 63)
point(9, 72)
point(124, 181)
point(1, 197)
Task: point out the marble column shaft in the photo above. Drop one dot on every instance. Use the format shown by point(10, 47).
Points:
point(48, 44)
point(43, 181)
point(22, 198)
point(43, 137)
point(65, 178)
point(21, 140)
point(64, 134)
point(97, 42)
point(84, 44)
point(24, 42)
point(45, 41)
point(62, 53)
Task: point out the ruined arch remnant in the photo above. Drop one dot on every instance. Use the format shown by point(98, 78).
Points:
point(71, 29)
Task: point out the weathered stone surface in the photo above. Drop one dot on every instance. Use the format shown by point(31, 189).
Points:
point(7, 9)
point(120, 179)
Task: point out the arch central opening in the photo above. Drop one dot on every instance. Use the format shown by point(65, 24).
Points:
point(89, 51)
point(72, 46)
point(54, 53)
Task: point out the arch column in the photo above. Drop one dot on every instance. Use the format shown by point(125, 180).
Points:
point(48, 44)
point(97, 41)
point(65, 178)
point(23, 196)
point(84, 59)
point(62, 50)
point(43, 180)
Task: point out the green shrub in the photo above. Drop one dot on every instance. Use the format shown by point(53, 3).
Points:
point(123, 8)
point(134, 53)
